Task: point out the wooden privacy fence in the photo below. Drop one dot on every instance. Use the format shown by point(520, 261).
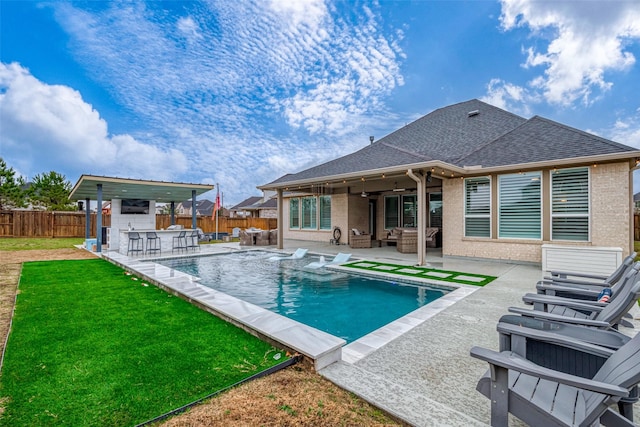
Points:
point(72, 224)
point(225, 225)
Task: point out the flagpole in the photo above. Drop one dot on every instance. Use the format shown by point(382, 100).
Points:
point(218, 207)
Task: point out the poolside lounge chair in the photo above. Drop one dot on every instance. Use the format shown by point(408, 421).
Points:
point(338, 259)
point(558, 283)
point(544, 397)
point(587, 294)
point(555, 304)
point(605, 316)
point(299, 253)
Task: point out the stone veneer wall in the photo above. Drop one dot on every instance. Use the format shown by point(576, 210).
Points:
point(610, 219)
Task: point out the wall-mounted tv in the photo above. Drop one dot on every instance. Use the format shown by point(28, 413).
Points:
point(134, 206)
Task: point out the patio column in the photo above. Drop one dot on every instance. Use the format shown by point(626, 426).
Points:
point(280, 219)
point(194, 222)
point(87, 219)
point(173, 213)
point(421, 180)
point(99, 220)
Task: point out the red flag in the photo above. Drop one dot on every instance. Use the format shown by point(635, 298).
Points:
point(216, 206)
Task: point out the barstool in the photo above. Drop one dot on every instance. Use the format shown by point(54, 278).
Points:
point(154, 244)
point(193, 241)
point(181, 240)
point(136, 243)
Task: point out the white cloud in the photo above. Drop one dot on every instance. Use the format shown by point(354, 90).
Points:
point(231, 82)
point(626, 131)
point(509, 96)
point(586, 41)
point(53, 127)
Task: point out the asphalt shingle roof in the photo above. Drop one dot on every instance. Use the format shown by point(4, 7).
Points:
point(541, 139)
point(468, 134)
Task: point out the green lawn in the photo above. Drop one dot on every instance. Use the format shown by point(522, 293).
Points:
point(19, 243)
point(91, 345)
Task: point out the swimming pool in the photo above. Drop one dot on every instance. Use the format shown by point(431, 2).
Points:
point(348, 306)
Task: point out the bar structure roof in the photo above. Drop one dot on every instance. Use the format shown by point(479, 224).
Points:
point(125, 188)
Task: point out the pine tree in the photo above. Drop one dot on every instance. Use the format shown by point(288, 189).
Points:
point(12, 193)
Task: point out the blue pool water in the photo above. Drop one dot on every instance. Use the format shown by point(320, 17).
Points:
point(345, 305)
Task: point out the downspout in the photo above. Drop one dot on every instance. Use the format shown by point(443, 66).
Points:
point(421, 180)
point(280, 225)
point(194, 219)
point(99, 220)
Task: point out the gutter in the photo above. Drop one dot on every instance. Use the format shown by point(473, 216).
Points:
point(467, 170)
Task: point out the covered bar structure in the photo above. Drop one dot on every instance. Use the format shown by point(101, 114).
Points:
point(133, 206)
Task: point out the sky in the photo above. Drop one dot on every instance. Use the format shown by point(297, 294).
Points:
point(241, 92)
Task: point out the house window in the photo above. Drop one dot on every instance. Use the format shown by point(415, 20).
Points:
point(325, 212)
point(570, 204)
point(391, 212)
point(409, 211)
point(520, 207)
point(309, 213)
point(294, 213)
point(477, 207)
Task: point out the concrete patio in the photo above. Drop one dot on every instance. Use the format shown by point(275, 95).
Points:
point(424, 375)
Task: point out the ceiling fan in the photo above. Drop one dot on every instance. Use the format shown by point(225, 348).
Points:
point(395, 188)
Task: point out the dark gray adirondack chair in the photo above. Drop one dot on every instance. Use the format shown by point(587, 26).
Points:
point(593, 279)
point(572, 349)
point(583, 289)
point(605, 315)
point(544, 397)
point(619, 290)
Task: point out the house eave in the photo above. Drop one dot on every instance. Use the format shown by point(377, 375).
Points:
point(549, 164)
point(457, 171)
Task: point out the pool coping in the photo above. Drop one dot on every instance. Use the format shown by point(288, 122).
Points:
point(322, 348)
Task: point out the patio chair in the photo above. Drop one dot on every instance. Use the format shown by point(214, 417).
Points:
point(541, 396)
point(193, 240)
point(338, 259)
point(604, 316)
point(273, 237)
point(431, 236)
point(154, 244)
point(582, 293)
point(560, 305)
point(262, 238)
point(359, 239)
point(298, 254)
point(179, 242)
point(575, 350)
point(408, 241)
point(563, 285)
point(136, 243)
point(246, 239)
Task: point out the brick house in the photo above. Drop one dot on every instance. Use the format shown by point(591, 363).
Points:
point(495, 184)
